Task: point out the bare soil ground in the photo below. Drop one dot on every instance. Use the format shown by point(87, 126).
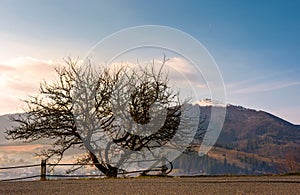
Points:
point(191, 185)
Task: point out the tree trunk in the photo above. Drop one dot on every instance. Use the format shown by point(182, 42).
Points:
point(109, 171)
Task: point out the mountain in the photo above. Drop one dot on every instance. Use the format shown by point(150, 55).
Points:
point(5, 124)
point(258, 132)
point(251, 142)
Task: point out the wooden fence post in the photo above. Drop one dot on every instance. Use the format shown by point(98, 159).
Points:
point(43, 170)
point(164, 168)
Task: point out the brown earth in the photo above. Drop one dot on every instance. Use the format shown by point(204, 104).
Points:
point(195, 185)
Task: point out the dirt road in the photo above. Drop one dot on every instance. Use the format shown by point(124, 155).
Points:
point(199, 185)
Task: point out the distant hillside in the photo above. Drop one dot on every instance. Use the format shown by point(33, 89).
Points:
point(251, 142)
point(5, 124)
point(258, 132)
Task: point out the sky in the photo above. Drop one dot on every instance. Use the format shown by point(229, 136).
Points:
point(256, 44)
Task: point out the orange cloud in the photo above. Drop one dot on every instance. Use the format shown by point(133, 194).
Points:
point(21, 148)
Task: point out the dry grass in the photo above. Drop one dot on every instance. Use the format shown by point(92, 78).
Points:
point(157, 185)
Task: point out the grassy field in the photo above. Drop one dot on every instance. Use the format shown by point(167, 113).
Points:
point(190, 185)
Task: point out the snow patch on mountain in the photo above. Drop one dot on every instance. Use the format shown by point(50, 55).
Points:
point(209, 102)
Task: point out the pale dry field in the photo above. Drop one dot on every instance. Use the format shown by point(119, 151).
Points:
point(197, 185)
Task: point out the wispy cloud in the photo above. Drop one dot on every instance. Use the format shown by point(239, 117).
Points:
point(4, 68)
point(247, 88)
point(183, 75)
point(20, 77)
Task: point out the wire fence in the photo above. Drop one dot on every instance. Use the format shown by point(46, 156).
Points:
point(44, 176)
point(20, 167)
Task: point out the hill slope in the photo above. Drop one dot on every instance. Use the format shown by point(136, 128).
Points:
point(251, 142)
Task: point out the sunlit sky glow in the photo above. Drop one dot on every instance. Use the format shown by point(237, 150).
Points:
point(255, 43)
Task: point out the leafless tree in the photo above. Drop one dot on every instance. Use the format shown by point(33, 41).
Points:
point(125, 109)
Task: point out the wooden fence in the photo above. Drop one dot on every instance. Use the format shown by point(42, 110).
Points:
point(44, 176)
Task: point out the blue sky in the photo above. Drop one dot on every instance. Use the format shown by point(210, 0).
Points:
point(256, 44)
